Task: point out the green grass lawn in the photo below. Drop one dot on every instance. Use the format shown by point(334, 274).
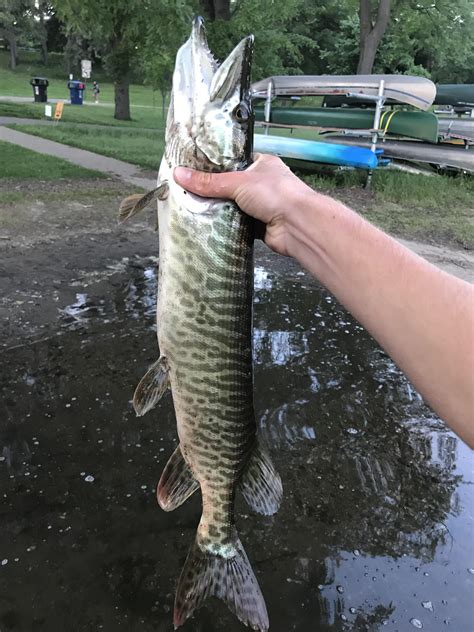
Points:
point(140, 147)
point(437, 208)
point(22, 164)
point(17, 82)
point(404, 188)
point(149, 118)
point(146, 104)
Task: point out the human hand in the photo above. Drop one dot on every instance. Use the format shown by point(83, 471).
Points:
point(267, 190)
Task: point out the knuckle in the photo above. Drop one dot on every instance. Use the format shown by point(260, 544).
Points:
point(204, 179)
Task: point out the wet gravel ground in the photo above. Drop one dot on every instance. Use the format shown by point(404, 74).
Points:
point(375, 530)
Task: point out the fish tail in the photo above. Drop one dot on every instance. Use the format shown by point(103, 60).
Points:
point(228, 578)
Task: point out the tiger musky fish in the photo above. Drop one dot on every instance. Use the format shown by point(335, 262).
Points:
point(204, 317)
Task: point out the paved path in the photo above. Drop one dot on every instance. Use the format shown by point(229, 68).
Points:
point(9, 99)
point(123, 170)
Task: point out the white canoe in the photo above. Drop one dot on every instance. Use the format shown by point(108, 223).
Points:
point(416, 91)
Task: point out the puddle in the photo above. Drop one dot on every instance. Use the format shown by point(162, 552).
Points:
point(375, 531)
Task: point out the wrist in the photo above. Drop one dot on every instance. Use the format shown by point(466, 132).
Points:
point(303, 221)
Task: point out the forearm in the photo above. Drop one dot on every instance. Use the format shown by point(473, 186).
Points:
point(402, 300)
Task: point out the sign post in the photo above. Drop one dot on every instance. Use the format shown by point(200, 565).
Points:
point(86, 68)
point(58, 112)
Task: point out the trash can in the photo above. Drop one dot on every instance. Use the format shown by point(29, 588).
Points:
point(40, 89)
point(76, 92)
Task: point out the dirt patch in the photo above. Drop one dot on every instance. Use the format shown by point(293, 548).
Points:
point(33, 187)
point(62, 234)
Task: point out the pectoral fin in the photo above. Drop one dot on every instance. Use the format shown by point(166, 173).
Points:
point(135, 203)
point(261, 484)
point(177, 482)
point(151, 387)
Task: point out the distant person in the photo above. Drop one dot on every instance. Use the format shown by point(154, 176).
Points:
point(421, 316)
point(96, 91)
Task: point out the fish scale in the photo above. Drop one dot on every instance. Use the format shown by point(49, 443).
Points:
point(204, 326)
point(218, 452)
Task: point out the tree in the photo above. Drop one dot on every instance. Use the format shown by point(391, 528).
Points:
point(167, 30)
point(278, 47)
point(55, 37)
point(431, 38)
point(12, 19)
point(216, 9)
point(117, 29)
point(373, 24)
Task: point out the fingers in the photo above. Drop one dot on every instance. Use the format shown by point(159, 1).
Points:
point(221, 185)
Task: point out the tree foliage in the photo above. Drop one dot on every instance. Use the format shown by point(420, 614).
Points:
point(434, 38)
point(115, 29)
point(278, 47)
point(166, 32)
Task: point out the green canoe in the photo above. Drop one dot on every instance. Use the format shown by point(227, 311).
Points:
point(455, 94)
point(419, 125)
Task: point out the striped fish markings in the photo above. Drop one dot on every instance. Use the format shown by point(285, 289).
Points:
point(204, 318)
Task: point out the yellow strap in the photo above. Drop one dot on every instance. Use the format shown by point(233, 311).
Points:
point(389, 119)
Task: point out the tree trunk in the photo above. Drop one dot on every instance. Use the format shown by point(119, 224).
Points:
point(222, 9)
point(10, 36)
point(13, 55)
point(216, 9)
point(44, 52)
point(371, 33)
point(122, 100)
point(44, 38)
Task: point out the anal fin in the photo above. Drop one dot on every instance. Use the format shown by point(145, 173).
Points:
point(261, 484)
point(135, 203)
point(177, 482)
point(151, 387)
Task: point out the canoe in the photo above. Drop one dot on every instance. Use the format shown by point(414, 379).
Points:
point(416, 91)
point(420, 125)
point(314, 151)
point(456, 95)
point(441, 155)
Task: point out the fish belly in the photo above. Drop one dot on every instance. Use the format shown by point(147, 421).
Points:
point(204, 331)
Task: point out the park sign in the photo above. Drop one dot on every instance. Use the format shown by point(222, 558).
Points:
point(86, 68)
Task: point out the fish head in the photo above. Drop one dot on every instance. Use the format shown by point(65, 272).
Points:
point(211, 112)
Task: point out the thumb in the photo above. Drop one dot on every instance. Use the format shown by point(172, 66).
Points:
point(205, 184)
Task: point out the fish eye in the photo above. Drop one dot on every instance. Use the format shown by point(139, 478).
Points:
point(241, 113)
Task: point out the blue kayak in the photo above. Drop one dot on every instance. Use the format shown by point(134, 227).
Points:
point(314, 151)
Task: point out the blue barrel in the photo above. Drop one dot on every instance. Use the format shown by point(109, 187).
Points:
point(76, 92)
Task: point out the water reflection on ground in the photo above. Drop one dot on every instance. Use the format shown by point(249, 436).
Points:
point(375, 531)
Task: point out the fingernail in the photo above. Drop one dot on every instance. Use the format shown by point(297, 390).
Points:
point(182, 174)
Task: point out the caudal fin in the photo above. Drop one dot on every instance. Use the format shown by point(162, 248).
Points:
point(230, 579)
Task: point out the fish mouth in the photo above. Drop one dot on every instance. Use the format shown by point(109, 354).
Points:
point(246, 66)
point(199, 42)
point(198, 32)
